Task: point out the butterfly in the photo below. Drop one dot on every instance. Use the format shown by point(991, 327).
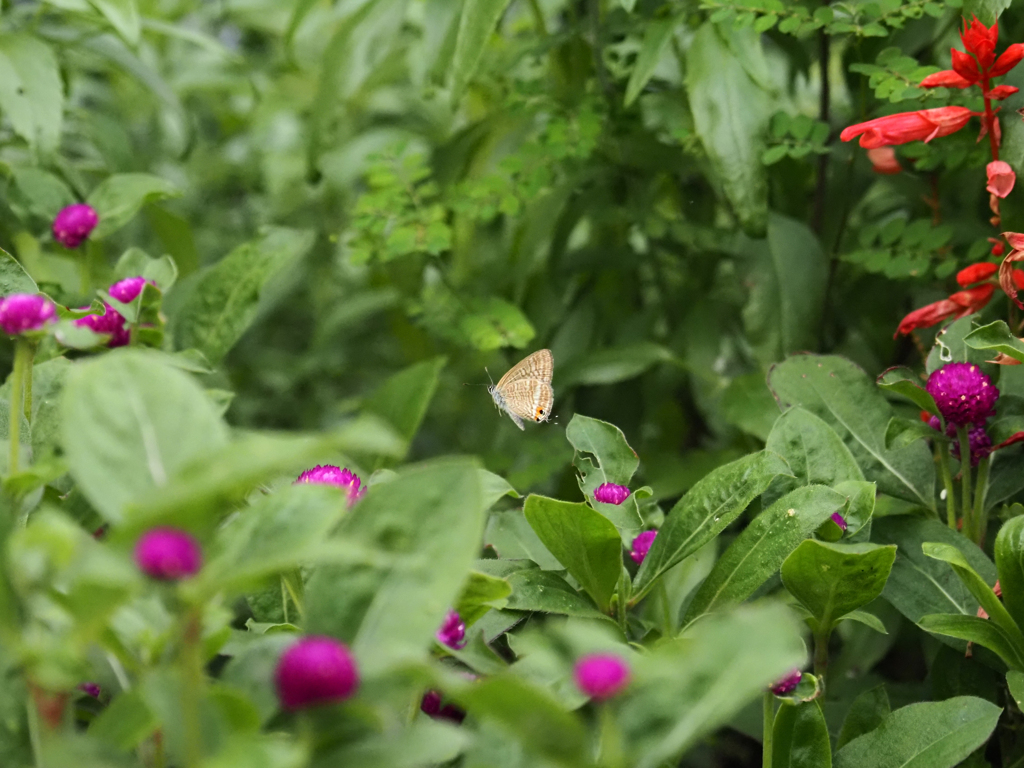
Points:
point(525, 391)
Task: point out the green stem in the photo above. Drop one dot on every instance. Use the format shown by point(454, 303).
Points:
point(965, 481)
point(979, 501)
point(293, 583)
point(821, 639)
point(538, 18)
point(942, 457)
point(767, 727)
point(24, 351)
point(668, 625)
point(33, 732)
point(284, 600)
point(192, 686)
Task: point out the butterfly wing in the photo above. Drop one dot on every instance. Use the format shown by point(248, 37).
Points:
point(540, 365)
point(529, 399)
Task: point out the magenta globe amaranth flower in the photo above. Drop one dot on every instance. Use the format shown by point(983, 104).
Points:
point(91, 689)
point(328, 474)
point(452, 631)
point(601, 675)
point(73, 224)
point(127, 290)
point(642, 545)
point(979, 442)
point(840, 521)
point(22, 312)
point(110, 322)
point(434, 706)
point(610, 493)
point(316, 670)
point(787, 684)
point(168, 554)
point(963, 393)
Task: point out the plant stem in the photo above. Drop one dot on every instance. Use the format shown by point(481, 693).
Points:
point(821, 638)
point(284, 599)
point(24, 351)
point(821, 190)
point(192, 685)
point(990, 120)
point(33, 732)
point(979, 501)
point(668, 625)
point(768, 707)
point(942, 457)
point(538, 18)
point(965, 475)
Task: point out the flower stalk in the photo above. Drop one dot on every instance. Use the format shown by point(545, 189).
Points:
point(21, 397)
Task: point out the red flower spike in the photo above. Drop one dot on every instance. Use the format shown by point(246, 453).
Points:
point(1001, 178)
point(1017, 275)
point(903, 127)
point(947, 78)
point(1009, 59)
point(980, 40)
point(973, 299)
point(927, 316)
point(1001, 92)
point(883, 161)
point(998, 249)
point(976, 273)
point(965, 65)
point(1007, 279)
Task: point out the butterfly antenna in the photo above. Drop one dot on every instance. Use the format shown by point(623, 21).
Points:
point(489, 375)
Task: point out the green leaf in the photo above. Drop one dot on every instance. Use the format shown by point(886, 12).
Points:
point(130, 422)
point(730, 115)
point(987, 11)
point(1015, 682)
point(830, 580)
point(584, 541)
point(759, 551)
point(933, 734)
point(998, 338)
point(123, 16)
point(136, 262)
point(423, 742)
point(787, 294)
point(31, 90)
point(837, 391)
point(800, 737)
point(403, 398)
point(602, 455)
point(615, 364)
point(534, 589)
point(477, 23)
point(867, 712)
point(656, 38)
point(976, 630)
point(687, 687)
point(1009, 554)
point(919, 585)
point(747, 403)
point(428, 521)
point(225, 298)
point(481, 593)
point(493, 323)
point(705, 511)
point(125, 722)
point(40, 192)
point(13, 277)
point(902, 381)
point(119, 197)
point(901, 432)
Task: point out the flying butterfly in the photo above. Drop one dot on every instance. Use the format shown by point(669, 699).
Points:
point(525, 391)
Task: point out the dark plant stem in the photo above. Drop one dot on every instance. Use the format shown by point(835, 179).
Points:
point(990, 120)
point(821, 190)
point(981, 487)
point(965, 478)
point(768, 722)
point(942, 457)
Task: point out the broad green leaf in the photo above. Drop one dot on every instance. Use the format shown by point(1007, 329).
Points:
point(787, 293)
point(1009, 554)
point(615, 364)
point(902, 381)
point(800, 737)
point(125, 722)
point(900, 432)
point(687, 687)
point(495, 487)
point(830, 580)
point(932, 734)
point(481, 593)
point(987, 11)
point(38, 192)
point(867, 712)
point(13, 277)
point(998, 338)
point(705, 511)
point(119, 197)
point(602, 455)
point(31, 90)
point(536, 590)
point(657, 35)
point(130, 422)
point(136, 262)
point(730, 114)
point(747, 403)
point(759, 551)
point(123, 16)
point(976, 630)
point(584, 541)
point(1015, 682)
point(867, 619)
point(428, 521)
point(224, 300)
point(478, 21)
point(492, 323)
point(837, 391)
point(860, 504)
point(251, 669)
point(423, 742)
point(403, 398)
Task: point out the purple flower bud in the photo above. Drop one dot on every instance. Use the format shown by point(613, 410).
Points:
point(168, 554)
point(328, 474)
point(601, 675)
point(126, 291)
point(92, 689)
point(22, 312)
point(610, 493)
point(432, 705)
point(452, 632)
point(110, 322)
point(787, 684)
point(963, 393)
point(980, 444)
point(73, 224)
point(316, 670)
point(642, 545)
point(840, 521)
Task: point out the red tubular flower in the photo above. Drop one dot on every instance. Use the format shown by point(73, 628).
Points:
point(975, 273)
point(960, 304)
point(1009, 59)
point(981, 41)
point(947, 78)
point(966, 66)
point(883, 161)
point(1001, 92)
point(1001, 178)
point(973, 299)
point(923, 125)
